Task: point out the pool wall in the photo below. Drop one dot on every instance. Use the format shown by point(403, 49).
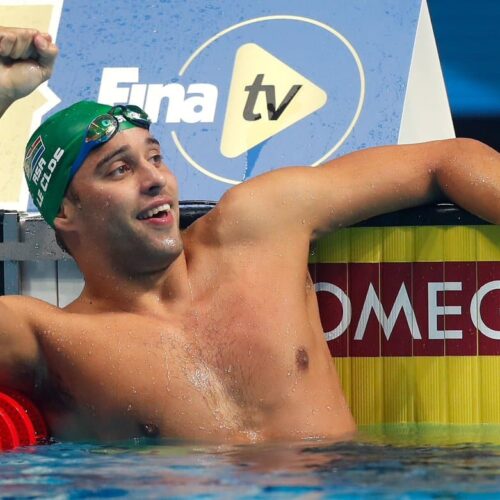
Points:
point(413, 316)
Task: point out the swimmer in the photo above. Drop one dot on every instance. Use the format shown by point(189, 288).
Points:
point(213, 333)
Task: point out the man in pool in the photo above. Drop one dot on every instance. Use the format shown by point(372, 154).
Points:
point(212, 334)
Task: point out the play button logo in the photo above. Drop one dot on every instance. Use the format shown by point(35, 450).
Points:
point(266, 96)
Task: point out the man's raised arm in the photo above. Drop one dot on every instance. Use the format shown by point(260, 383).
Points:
point(26, 60)
point(360, 185)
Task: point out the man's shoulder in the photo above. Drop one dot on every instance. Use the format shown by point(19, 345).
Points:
point(251, 210)
point(25, 301)
point(28, 307)
point(218, 226)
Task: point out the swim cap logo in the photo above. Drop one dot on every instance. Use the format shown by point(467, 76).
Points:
point(33, 155)
point(43, 173)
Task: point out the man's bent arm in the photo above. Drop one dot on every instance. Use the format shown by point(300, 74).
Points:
point(19, 350)
point(386, 179)
point(360, 185)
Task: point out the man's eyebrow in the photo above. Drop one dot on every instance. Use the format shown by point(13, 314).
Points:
point(102, 162)
point(152, 140)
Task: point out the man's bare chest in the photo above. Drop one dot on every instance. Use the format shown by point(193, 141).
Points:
point(223, 363)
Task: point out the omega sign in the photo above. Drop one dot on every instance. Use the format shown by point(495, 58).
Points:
point(410, 309)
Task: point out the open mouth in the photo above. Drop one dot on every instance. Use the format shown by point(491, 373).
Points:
point(156, 213)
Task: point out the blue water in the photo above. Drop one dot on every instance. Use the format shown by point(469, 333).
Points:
point(399, 463)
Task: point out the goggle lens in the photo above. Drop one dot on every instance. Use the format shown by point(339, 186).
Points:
point(102, 129)
point(133, 114)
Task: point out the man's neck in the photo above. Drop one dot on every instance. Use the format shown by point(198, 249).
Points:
point(151, 292)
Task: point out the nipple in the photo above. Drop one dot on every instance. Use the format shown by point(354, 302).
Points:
point(302, 358)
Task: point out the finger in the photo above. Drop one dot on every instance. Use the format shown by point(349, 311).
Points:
point(47, 37)
point(7, 40)
point(47, 52)
point(23, 46)
point(17, 43)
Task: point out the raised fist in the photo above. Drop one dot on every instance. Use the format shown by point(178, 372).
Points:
point(26, 60)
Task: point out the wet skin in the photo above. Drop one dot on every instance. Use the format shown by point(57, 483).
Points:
point(217, 341)
point(213, 334)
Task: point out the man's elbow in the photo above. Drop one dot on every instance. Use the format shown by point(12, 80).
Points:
point(469, 174)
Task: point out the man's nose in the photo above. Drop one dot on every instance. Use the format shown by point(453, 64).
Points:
point(153, 179)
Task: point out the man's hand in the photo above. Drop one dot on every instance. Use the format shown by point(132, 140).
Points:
point(26, 60)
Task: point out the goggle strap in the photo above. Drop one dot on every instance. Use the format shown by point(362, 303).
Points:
point(78, 162)
point(89, 146)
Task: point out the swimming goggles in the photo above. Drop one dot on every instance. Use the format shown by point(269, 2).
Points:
point(104, 128)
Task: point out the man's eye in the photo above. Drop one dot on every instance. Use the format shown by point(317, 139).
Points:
point(118, 171)
point(156, 159)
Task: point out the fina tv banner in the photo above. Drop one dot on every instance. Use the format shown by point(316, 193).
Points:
point(238, 88)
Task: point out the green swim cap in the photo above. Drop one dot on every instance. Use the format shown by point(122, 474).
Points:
point(55, 146)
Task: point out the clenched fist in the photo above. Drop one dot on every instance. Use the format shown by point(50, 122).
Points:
point(26, 60)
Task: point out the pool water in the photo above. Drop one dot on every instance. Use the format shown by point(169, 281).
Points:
point(390, 462)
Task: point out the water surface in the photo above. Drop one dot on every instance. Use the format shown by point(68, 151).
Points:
point(390, 462)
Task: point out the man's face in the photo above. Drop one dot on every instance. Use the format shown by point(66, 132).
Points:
point(128, 203)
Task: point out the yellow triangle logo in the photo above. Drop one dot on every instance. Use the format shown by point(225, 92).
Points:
point(266, 96)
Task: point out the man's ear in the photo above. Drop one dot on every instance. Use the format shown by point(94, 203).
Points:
point(65, 219)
